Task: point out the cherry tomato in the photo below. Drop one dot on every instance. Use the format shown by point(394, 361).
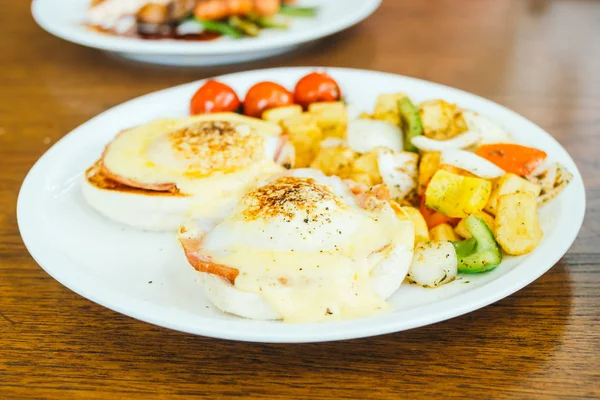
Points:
point(214, 97)
point(266, 95)
point(315, 87)
point(434, 218)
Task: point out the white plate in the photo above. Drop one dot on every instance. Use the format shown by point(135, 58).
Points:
point(113, 265)
point(63, 18)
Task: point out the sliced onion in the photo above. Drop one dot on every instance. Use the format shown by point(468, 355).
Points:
point(366, 134)
point(398, 171)
point(471, 162)
point(352, 112)
point(434, 264)
point(190, 28)
point(334, 142)
point(490, 131)
point(461, 141)
point(542, 168)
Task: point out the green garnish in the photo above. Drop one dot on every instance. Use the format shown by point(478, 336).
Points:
point(296, 11)
point(220, 27)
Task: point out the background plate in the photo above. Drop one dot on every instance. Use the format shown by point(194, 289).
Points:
point(63, 18)
point(145, 275)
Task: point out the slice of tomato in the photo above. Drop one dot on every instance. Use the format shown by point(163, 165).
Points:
point(214, 97)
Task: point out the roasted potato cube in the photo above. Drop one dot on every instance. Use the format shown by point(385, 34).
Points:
point(443, 232)
point(455, 195)
point(367, 164)
point(281, 113)
point(386, 108)
point(509, 183)
point(461, 228)
point(430, 163)
point(421, 231)
point(331, 117)
point(362, 177)
point(517, 228)
point(441, 120)
point(305, 135)
point(391, 118)
point(335, 161)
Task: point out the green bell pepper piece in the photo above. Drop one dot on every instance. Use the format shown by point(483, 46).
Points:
point(412, 121)
point(479, 253)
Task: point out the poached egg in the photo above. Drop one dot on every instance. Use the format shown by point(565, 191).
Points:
point(301, 248)
point(197, 166)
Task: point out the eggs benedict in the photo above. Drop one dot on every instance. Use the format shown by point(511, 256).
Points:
point(153, 176)
point(303, 248)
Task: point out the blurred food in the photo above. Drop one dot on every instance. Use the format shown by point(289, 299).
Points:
point(192, 19)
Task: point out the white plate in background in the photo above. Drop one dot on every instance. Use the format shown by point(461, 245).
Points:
point(146, 276)
point(64, 19)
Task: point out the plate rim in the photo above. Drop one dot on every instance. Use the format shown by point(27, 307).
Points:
point(228, 329)
point(138, 46)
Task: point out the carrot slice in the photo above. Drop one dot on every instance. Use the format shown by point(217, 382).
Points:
point(513, 158)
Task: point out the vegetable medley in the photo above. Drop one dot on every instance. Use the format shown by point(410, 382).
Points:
point(471, 192)
point(194, 19)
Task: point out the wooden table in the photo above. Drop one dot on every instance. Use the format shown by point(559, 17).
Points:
point(540, 58)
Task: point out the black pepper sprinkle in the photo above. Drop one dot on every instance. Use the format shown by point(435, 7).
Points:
point(149, 281)
point(306, 220)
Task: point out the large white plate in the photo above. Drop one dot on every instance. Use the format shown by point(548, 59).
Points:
point(63, 18)
point(113, 265)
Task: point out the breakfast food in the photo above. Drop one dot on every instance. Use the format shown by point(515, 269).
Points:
point(192, 19)
point(152, 176)
point(458, 176)
point(304, 248)
point(416, 192)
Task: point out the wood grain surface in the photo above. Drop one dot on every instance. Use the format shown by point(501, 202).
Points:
point(540, 58)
